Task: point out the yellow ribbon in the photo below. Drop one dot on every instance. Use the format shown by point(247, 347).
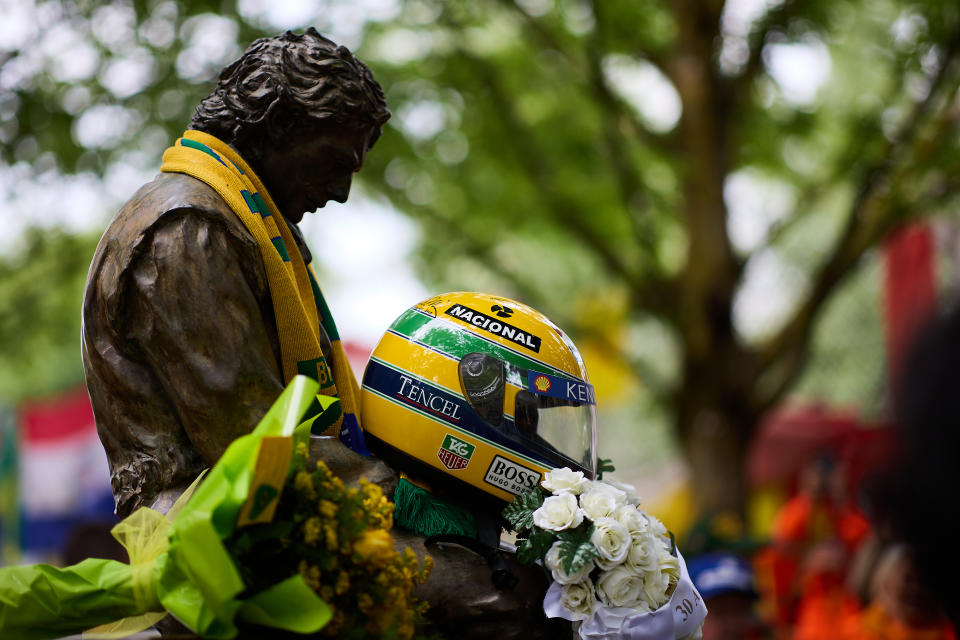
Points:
point(145, 534)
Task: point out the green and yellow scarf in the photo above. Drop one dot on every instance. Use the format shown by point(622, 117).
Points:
point(298, 304)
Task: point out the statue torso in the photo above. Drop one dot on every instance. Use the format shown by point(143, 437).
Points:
point(180, 346)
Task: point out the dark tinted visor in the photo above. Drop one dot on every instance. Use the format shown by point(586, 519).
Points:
point(552, 415)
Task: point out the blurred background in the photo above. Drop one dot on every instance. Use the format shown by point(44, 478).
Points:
point(740, 211)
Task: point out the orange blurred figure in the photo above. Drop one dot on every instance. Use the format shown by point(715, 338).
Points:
point(801, 575)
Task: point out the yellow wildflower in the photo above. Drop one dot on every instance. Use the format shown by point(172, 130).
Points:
point(426, 570)
point(303, 483)
point(330, 533)
point(374, 545)
point(326, 592)
point(394, 594)
point(311, 575)
point(369, 489)
point(312, 529)
point(301, 450)
point(365, 602)
point(350, 559)
point(328, 509)
point(343, 583)
point(421, 607)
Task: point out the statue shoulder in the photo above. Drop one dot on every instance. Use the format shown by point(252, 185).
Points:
point(170, 208)
point(169, 196)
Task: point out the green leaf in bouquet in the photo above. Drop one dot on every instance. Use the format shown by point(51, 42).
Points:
point(519, 513)
point(604, 465)
point(577, 534)
point(576, 549)
point(536, 546)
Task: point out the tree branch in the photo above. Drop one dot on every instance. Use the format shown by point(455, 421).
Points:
point(859, 138)
point(862, 132)
point(875, 211)
point(570, 217)
point(710, 274)
point(776, 18)
point(620, 110)
point(614, 112)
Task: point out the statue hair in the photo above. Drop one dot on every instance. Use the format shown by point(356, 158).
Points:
point(289, 84)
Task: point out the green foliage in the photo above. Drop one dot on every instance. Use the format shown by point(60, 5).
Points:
point(576, 549)
point(41, 114)
point(41, 289)
point(535, 546)
point(848, 354)
point(519, 513)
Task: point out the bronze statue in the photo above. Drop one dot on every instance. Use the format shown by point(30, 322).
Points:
point(180, 344)
point(180, 337)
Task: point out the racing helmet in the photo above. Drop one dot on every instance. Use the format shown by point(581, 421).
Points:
point(472, 393)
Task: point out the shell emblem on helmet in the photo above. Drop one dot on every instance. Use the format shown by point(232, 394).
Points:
point(542, 383)
point(479, 389)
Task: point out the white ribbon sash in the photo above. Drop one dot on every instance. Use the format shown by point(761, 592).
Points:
point(679, 617)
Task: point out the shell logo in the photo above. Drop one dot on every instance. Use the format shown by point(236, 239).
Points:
point(542, 383)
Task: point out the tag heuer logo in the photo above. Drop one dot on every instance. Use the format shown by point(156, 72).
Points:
point(455, 453)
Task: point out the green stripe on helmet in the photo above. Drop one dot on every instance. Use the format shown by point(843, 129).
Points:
point(456, 342)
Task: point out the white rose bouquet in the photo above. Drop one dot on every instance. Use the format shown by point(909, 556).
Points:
point(616, 570)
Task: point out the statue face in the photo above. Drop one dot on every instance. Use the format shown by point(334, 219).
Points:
point(314, 168)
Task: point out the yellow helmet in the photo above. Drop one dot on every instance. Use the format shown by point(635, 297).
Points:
point(482, 390)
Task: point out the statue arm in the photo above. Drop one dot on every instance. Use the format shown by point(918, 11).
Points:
point(196, 300)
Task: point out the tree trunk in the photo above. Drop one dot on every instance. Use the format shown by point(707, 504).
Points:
point(715, 420)
point(715, 447)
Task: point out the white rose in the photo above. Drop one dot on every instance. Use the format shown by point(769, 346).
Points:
point(558, 513)
point(600, 500)
point(655, 587)
point(628, 489)
point(564, 481)
point(657, 528)
point(621, 587)
point(632, 518)
point(612, 541)
point(552, 561)
point(579, 598)
point(642, 556)
point(668, 565)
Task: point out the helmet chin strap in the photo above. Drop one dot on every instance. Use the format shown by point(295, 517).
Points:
point(486, 545)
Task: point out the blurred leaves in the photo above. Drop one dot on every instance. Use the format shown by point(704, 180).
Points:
point(41, 286)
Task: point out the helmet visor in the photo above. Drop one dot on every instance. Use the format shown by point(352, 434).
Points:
point(550, 416)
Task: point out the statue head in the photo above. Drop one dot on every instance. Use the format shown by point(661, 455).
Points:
point(302, 111)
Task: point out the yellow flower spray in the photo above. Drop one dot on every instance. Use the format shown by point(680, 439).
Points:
point(339, 538)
